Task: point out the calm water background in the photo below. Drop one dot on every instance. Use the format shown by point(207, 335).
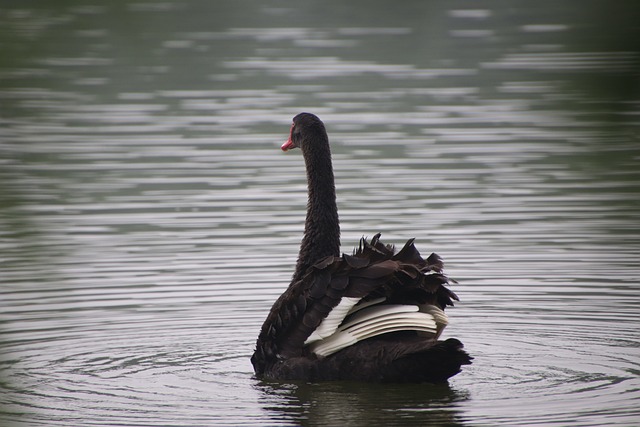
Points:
point(149, 218)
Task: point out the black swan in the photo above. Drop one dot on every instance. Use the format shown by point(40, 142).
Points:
point(375, 315)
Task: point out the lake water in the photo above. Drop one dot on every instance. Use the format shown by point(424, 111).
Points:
point(149, 219)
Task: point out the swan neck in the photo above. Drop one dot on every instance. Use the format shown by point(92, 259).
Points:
point(322, 227)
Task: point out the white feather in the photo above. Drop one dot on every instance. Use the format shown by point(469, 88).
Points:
point(373, 321)
point(335, 317)
point(438, 314)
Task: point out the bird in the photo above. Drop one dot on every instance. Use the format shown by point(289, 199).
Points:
point(374, 315)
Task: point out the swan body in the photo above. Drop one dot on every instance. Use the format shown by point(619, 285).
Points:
point(375, 315)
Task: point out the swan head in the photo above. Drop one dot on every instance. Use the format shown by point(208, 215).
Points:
point(305, 127)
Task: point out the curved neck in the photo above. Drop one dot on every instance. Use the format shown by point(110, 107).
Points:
point(322, 227)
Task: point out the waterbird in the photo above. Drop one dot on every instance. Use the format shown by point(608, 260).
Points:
point(373, 315)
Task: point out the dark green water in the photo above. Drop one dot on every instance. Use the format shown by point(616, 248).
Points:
point(149, 219)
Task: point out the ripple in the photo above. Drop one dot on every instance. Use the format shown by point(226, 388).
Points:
point(149, 219)
point(563, 61)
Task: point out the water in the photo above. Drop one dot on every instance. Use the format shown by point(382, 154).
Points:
point(149, 219)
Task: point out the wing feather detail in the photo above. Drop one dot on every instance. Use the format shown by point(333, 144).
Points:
point(373, 321)
point(346, 299)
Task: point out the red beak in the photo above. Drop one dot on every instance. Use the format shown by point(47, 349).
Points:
point(289, 144)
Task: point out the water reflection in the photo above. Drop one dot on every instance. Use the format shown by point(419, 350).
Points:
point(360, 404)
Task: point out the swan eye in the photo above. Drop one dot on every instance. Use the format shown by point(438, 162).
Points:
point(296, 136)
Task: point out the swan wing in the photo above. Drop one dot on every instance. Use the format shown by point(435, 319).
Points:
point(336, 293)
point(373, 321)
